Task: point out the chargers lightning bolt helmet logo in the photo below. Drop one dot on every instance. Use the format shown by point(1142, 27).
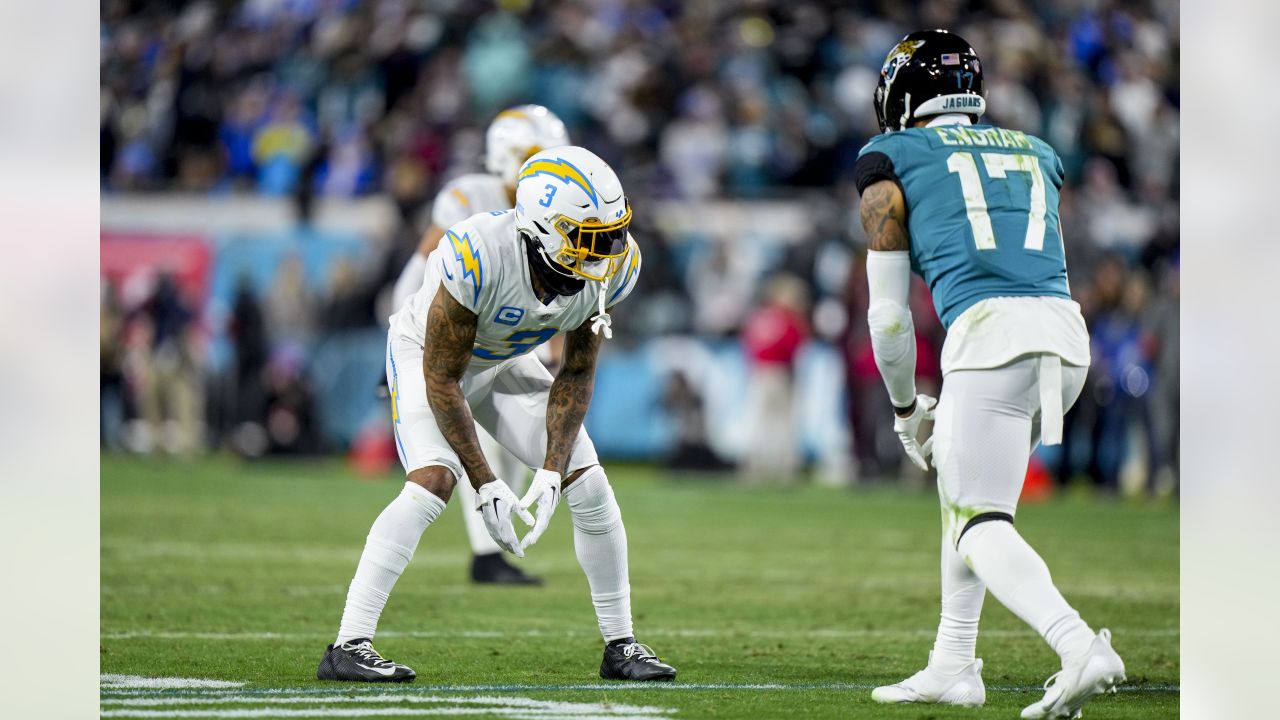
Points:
point(565, 171)
point(577, 222)
point(517, 134)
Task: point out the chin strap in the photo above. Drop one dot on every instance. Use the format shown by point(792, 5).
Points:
point(602, 321)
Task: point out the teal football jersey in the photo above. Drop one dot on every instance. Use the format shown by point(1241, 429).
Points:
point(982, 211)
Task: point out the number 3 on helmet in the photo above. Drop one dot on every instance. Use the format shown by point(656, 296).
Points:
point(570, 203)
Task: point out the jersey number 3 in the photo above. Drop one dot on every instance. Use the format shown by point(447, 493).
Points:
point(518, 343)
point(998, 165)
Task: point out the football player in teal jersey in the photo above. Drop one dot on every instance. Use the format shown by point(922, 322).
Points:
point(973, 209)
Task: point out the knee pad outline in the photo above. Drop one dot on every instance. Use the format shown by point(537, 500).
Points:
point(981, 518)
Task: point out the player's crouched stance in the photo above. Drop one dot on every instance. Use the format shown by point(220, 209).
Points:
point(974, 210)
point(458, 354)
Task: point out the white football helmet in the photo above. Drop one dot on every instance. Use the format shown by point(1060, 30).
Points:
point(518, 133)
point(571, 205)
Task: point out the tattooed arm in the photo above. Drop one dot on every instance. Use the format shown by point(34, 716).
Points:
point(451, 335)
point(884, 217)
point(570, 396)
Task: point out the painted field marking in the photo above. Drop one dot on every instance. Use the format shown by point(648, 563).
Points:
point(518, 708)
point(412, 690)
point(513, 713)
point(830, 633)
point(506, 702)
point(139, 682)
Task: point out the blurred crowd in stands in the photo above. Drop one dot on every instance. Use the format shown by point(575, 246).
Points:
point(690, 101)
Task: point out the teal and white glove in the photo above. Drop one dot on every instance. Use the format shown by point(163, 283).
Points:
point(545, 492)
point(496, 502)
point(907, 427)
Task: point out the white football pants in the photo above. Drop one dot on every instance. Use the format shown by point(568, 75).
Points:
point(508, 400)
point(987, 423)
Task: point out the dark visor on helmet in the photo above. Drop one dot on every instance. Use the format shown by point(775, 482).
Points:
point(592, 240)
point(600, 243)
point(589, 242)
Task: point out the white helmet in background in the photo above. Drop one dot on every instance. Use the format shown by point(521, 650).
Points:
point(571, 208)
point(518, 133)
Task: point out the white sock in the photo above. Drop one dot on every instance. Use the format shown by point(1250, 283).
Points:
point(1020, 580)
point(601, 544)
point(962, 596)
point(411, 278)
point(387, 551)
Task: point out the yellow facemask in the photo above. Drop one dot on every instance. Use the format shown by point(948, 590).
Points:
point(589, 242)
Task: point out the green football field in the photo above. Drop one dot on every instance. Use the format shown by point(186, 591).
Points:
point(775, 603)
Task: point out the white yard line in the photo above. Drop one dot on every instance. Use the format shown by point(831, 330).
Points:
point(369, 698)
point(138, 682)
point(513, 713)
point(506, 707)
point(830, 633)
point(413, 690)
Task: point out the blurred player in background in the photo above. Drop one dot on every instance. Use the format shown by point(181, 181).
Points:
point(973, 209)
point(514, 135)
point(459, 354)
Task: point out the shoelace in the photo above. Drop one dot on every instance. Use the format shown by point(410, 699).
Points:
point(1052, 680)
point(639, 652)
point(365, 652)
point(1049, 684)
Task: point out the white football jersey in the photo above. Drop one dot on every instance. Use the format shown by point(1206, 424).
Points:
point(467, 195)
point(481, 262)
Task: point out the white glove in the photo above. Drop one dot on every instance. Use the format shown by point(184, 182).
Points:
point(496, 502)
point(545, 491)
point(908, 426)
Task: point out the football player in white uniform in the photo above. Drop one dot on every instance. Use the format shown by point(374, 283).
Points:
point(513, 136)
point(501, 284)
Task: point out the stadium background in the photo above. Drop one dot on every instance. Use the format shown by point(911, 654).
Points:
point(267, 167)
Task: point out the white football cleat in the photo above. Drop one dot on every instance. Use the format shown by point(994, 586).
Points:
point(1066, 691)
point(964, 688)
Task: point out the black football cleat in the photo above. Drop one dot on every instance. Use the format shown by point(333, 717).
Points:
point(357, 661)
point(493, 569)
point(629, 660)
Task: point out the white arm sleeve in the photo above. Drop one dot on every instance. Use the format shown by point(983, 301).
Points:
point(893, 336)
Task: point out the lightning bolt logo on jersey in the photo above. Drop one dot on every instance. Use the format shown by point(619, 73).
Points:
point(468, 259)
point(484, 267)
